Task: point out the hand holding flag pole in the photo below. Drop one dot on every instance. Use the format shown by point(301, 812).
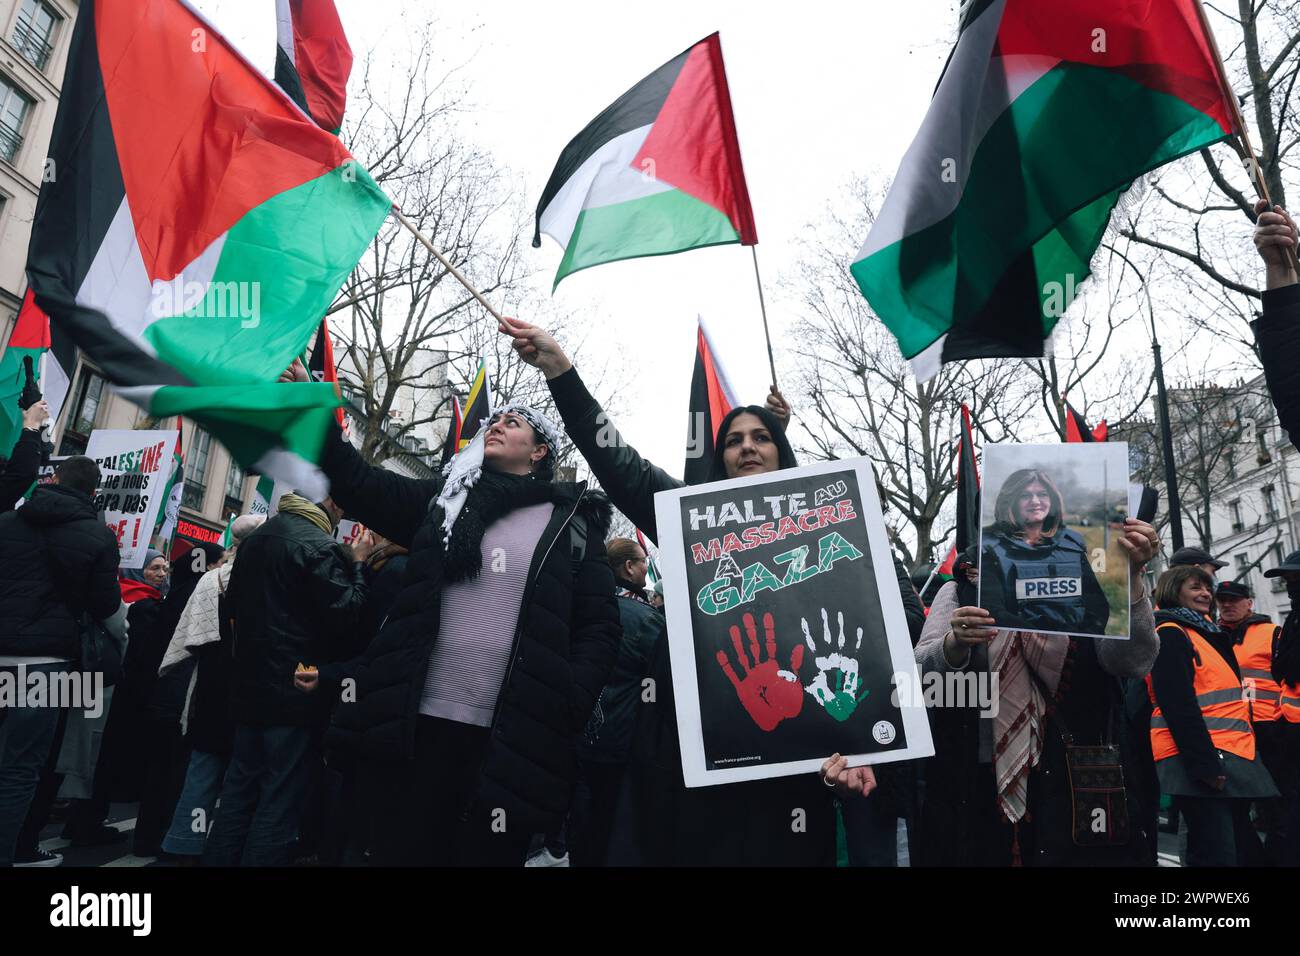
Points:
point(1245, 149)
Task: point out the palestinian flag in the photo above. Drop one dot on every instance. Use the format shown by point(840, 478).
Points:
point(452, 443)
point(173, 492)
point(198, 228)
point(321, 367)
point(266, 496)
point(1047, 111)
point(31, 341)
point(652, 561)
point(478, 407)
point(657, 172)
point(313, 59)
point(1077, 430)
point(968, 496)
point(712, 397)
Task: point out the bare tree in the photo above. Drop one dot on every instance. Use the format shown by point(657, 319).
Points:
point(401, 317)
point(862, 399)
point(1216, 432)
point(1197, 221)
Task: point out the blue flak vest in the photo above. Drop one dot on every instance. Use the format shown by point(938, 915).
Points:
point(1043, 583)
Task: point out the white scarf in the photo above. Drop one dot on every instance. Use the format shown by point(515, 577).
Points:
point(466, 466)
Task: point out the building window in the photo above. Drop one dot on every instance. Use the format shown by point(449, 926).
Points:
point(34, 32)
point(1270, 502)
point(87, 396)
point(14, 104)
point(1243, 568)
point(1237, 524)
point(234, 489)
point(196, 471)
point(1230, 461)
point(1279, 582)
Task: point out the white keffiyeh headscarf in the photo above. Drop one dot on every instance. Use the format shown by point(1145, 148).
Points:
point(464, 469)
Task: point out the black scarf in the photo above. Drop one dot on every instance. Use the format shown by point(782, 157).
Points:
point(493, 496)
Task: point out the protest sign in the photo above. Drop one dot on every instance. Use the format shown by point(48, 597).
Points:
point(785, 626)
point(1051, 519)
point(134, 466)
point(348, 531)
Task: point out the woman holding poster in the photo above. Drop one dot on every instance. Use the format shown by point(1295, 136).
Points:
point(661, 822)
point(1042, 776)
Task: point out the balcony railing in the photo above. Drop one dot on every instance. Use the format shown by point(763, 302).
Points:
point(10, 142)
point(35, 49)
point(193, 496)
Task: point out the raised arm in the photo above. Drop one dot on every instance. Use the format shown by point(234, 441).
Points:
point(630, 481)
point(391, 504)
point(1277, 331)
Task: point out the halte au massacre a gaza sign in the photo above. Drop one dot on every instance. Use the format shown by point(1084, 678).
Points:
point(785, 625)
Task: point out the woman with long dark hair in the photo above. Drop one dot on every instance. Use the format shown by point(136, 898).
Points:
point(660, 821)
point(999, 789)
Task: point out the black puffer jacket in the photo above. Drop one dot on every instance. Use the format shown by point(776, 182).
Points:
point(21, 469)
point(295, 597)
point(564, 647)
point(1277, 337)
point(40, 600)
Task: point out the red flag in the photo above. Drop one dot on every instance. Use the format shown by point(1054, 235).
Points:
point(712, 397)
point(322, 367)
point(1076, 429)
point(313, 59)
point(452, 443)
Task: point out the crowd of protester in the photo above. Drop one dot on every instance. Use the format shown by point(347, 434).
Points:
point(467, 683)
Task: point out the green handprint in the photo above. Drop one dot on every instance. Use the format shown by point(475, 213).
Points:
point(841, 702)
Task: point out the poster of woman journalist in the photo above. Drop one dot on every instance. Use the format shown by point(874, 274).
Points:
point(1051, 517)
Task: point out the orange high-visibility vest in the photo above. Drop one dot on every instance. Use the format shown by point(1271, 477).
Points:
point(1221, 698)
point(1255, 658)
point(1289, 703)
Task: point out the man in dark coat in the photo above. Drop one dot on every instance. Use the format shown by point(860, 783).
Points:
point(607, 739)
point(296, 598)
point(57, 561)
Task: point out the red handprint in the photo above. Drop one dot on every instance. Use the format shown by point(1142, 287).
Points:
point(769, 694)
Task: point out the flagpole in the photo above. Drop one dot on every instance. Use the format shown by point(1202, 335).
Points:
point(456, 273)
point(1243, 136)
point(762, 304)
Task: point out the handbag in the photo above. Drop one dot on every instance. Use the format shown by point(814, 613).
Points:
point(1100, 812)
point(101, 650)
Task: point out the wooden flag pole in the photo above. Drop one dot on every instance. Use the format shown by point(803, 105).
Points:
point(1247, 148)
point(456, 273)
point(762, 304)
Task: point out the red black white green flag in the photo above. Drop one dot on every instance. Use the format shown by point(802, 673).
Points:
point(1047, 111)
point(313, 59)
point(657, 172)
point(452, 443)
point(197, 228)
point(1077, 430)
point(321, 367)
point(712, 397)
point(51, 358)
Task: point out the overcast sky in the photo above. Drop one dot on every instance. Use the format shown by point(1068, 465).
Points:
point(822, 94)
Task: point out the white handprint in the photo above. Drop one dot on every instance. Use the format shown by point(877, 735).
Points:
point(841, 700)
